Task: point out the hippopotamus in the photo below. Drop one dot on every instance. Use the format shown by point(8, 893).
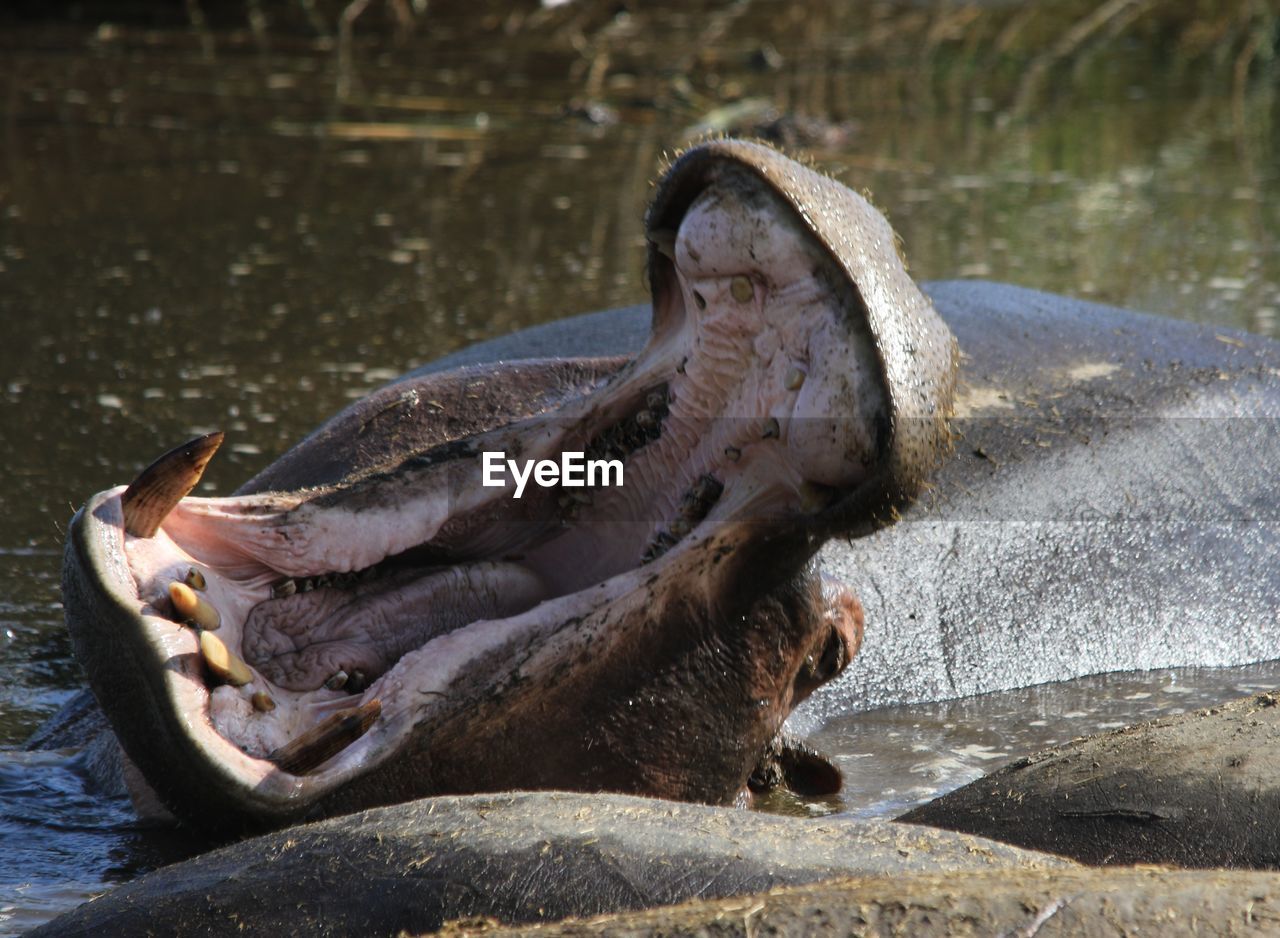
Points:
point(522, 858)
point(384, 614)
point(1099, 511)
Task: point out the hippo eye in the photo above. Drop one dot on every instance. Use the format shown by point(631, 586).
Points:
point(832, 660)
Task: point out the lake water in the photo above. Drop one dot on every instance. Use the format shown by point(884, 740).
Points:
point(197, 230)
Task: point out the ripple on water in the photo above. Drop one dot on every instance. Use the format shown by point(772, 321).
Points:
point(64, 843)
point(896, 758)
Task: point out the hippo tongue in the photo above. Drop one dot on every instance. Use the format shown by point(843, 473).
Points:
point(300, 642)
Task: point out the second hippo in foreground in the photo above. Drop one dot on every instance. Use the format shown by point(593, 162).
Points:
point(372, 624)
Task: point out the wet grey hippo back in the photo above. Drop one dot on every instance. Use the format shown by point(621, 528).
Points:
point(1109, 505)
point(536, 857)
point(521, 857)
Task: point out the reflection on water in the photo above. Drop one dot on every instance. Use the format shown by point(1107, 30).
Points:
point(197, 232)
point(896, 758)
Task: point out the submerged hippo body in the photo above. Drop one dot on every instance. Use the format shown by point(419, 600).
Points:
point(368, 621)
point(516, 857)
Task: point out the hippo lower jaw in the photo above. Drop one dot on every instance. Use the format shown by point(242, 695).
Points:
point(417, 601)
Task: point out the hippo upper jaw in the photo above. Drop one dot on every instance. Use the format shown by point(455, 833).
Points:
point(410, 630)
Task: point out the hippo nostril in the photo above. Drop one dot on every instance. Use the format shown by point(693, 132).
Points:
point(699, 299)
point(833, 659)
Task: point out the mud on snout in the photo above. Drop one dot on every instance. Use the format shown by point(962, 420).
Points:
point(409, 630)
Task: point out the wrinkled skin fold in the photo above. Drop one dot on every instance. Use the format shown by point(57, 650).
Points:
point(366, 622)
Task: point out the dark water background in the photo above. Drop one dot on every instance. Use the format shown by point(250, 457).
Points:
point(222, 215)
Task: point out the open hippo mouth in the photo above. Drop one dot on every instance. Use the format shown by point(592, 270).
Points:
point(398, 627)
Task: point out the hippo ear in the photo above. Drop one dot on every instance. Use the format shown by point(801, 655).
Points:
point(423, 411)
point(790, 764)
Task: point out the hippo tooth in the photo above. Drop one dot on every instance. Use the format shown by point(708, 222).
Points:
point(645, 418)
point(337, 680)
point(794, 380)
point(771, 429)
point(222, 662)
point(159, 487)
point(741, 288)
point(732, 453)
point(195, 579)
point(193, 607)
point(284, 589)
point(326, 739)
point(262, 701)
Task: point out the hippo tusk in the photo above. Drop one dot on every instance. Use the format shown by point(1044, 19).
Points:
point(223, 662)
point(326, 739)
point(159, 487)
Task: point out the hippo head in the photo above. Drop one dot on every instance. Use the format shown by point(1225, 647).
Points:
point(379, 616)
